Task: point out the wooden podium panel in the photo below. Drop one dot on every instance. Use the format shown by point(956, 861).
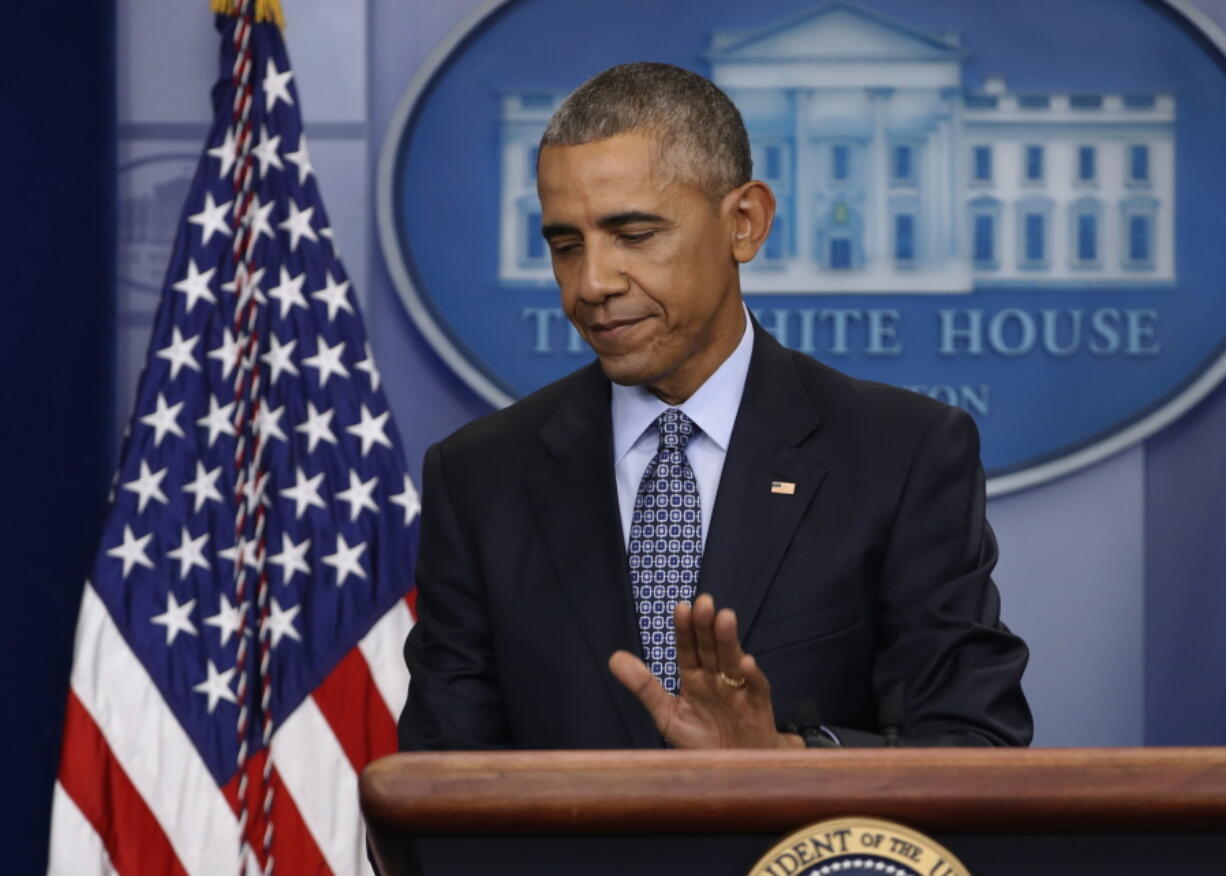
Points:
point(626, 811)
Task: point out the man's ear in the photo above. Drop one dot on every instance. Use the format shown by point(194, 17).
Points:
point(751, 208)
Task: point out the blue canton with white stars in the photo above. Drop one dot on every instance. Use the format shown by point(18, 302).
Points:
point(665, 545)
point(339, 511)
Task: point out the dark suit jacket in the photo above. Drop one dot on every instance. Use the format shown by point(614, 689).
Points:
point(872, 580)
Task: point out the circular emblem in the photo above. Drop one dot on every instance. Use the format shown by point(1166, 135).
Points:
point(983, 201)
point(858, 847)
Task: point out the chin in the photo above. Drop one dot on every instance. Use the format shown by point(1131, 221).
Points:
point(626, 373)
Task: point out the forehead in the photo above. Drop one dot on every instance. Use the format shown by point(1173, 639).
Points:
point(604, 173)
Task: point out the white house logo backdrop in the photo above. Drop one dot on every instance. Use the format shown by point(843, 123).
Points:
point(1009, 207)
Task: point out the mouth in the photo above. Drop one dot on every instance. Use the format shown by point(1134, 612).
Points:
point(613, 333)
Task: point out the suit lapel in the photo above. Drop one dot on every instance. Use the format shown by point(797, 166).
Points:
point(752, 526)
point(575, 498)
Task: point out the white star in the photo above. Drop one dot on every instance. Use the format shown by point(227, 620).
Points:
point(179, 353)
point(268, 422)
point(217, 420)
point(327, 232)
point(278, 357)
point(196, 285)
point(225, 152)
point(204, 487)
point(147, 486)
point(304, 492)
point(280, 622)
point(175, 618)
point(257, 277)
point(368, 365)
point(226, 354)
point(276, 86)
point(409, 500)
point(231, 554)
point(266, 151)
point(334, 295)
point(289, 291)
point(358, 495)
point(212, 217)
point(370, 430)
point(132, 551)
point(292, 558)
point(257, 218)
point(317, 427)
point(302, 158)
point(228, 618)
point(327, 360)
point(164, 419)
point(298, 225)
point(345, 560)
point(217, 685)
point(190, 552)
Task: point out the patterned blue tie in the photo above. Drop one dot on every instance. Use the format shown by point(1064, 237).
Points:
point(665, 544)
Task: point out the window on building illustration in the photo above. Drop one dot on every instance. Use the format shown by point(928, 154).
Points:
point(985, 240)
point(981, 101)
point(1034, 163)
point(772, 160)
point(840, 253)
point(1139, 101)
point(1086, 101)
point(1139, 243)
point(1033, 243)
point(983, 163)
point(904, 237)
point(535, 250)
point(536, 101)
point(1086, 169)
point(776, 243)
point(903, 170)
point(1138, 163)
point(1087, 237)
point(1034, 101)
point(840, 161)
point(530, 163)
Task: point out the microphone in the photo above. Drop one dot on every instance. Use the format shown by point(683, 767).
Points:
point(890, 713)
point(807, 722)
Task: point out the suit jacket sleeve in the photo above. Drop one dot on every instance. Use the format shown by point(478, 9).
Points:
point(944, 656)
point(454, 700)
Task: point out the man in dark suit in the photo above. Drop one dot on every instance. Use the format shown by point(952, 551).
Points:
point(576, 545)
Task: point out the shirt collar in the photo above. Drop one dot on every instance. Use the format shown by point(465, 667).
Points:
point(712, 407)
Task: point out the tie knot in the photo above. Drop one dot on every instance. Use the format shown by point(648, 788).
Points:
point(676, 430)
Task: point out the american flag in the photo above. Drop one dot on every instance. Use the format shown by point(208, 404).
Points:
point(237, 658)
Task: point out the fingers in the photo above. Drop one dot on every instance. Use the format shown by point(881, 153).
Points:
point(640, 681)
point(727, 646)
point(704, 632)
point(687, 645)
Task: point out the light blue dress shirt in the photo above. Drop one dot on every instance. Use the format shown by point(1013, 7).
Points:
point(713, 410)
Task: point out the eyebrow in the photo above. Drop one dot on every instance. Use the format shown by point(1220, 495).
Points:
point(612, 221)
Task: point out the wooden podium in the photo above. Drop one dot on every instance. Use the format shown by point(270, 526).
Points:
point(1002, 812)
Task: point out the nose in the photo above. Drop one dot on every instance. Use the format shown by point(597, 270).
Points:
point(601, 274)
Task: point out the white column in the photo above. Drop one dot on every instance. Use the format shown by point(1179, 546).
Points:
point(877, 251)
point(929, 193)
point(804, 186)
point(959, 248)
point(944, 202)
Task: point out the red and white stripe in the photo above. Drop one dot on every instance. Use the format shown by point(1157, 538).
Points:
point(134, 796)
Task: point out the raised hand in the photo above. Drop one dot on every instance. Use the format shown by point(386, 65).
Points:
point(725, 698)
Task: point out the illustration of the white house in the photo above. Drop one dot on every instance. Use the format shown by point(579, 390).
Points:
point(893, 176)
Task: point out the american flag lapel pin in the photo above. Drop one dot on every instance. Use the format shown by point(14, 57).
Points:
point(783, 488)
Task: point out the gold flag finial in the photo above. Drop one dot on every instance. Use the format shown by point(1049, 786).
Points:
point(265, 10)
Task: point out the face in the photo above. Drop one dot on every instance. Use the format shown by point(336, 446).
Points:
point(647, 266)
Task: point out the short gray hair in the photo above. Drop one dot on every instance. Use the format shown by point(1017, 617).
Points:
point(698, 131)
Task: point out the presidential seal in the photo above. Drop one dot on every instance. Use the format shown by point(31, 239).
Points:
point(853, 846)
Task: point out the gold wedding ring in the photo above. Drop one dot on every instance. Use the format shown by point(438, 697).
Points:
point(731, 682)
